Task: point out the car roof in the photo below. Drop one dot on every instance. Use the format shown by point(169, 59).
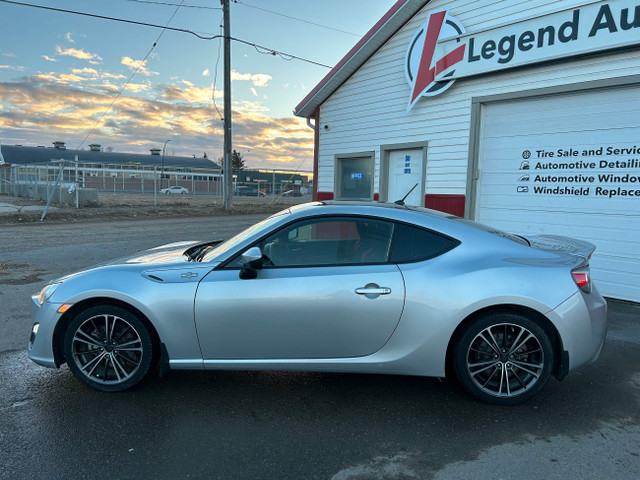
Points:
point(394, 206)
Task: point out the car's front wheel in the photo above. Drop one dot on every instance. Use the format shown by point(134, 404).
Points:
point(108, 348)
point(503, 358)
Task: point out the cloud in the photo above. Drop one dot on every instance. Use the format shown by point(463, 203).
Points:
point(11, 67)
point(8, 54)
point(137, 87)
point(54, 77)
point(42, 108)
point(206, 73)
point(68, 37)
point(79, 54)
point(49, 59)
point(85, 71)
point(189, 93)
point(257, 79)
point(253, 90)
point(137, 64)
point(115, 76)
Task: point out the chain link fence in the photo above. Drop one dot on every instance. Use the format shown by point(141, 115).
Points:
point(65, 182)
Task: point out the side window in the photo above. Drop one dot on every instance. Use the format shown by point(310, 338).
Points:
point(411, 244)
point(329, 241)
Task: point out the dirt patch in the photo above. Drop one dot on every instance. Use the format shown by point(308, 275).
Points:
point(136, 206)
point(19, 274)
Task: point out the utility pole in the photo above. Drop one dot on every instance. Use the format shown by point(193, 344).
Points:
point(228, 171)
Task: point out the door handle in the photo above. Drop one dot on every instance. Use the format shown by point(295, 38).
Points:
point(373, 291)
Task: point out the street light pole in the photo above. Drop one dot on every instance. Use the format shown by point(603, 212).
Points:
point(228, 171)
point(162, 169)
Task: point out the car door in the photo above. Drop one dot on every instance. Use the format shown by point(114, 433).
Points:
point(326, 290)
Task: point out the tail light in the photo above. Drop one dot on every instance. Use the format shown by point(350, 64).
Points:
point(582, 277)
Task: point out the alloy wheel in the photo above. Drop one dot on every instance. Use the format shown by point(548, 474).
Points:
point(505, 360)
point(107, 349)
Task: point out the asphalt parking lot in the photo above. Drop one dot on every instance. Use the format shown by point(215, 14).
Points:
point(288, 425)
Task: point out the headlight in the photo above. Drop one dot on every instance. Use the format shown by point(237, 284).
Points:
point(46, 292)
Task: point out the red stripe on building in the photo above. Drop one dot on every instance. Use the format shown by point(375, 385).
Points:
point(453, 204)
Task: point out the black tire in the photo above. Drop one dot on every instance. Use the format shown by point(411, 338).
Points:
point(183, 192)
point(503, 358)
point(108, 348)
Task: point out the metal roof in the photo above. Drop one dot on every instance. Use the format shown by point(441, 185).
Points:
point(20, 155)
point(399, 14)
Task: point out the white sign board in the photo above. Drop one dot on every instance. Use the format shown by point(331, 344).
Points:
point(587, 29)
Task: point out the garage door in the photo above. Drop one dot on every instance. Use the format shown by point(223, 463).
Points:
point(568, 165)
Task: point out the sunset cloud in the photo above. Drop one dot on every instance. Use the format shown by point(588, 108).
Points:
point(11, 67)
point(49, 59)
point(48, 103)
point(257, 79)
point(137, 64)
point(79, 54)
point(85, 71)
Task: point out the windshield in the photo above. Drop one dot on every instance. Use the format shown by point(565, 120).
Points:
point(242, 236)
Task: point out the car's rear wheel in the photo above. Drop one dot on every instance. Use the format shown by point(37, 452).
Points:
point(108, 348)
point(503, 358)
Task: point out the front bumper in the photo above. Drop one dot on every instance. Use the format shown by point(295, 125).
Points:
point(40, 347)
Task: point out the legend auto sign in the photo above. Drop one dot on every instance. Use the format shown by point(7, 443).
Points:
point(441, 51)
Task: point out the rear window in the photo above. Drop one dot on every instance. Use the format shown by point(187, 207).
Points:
point(411, 244)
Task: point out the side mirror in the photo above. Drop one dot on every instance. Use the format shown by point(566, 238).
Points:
point(251, 263)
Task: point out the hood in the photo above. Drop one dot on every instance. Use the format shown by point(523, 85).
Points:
point(561, 244)
point(172, 253)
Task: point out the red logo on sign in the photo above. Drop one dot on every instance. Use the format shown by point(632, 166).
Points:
point(421, 66)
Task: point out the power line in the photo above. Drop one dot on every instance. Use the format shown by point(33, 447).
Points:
point(295, 18)
point(257, 8)
point(142, 62)
point(175, 4)
point(115, 19)
point(215, 80)
point(271, 51)
point(267, 50)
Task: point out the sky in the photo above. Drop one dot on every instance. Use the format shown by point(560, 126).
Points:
point(60, 72)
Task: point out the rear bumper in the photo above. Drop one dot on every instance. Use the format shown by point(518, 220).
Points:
point(582, 324)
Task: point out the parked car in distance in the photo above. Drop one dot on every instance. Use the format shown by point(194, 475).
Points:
point(175, 189)
point(292, 193)
point(335, 287)
point(249, 192)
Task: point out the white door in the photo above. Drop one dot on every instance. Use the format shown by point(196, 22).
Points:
point(569, 165)
point(405, 171)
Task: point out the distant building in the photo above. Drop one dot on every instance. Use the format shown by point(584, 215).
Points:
point(115, 171)
point(96, 158)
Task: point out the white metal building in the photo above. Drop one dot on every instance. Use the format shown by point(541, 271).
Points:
point(523, 114)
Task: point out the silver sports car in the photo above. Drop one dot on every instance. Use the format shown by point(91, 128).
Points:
point(336, 287)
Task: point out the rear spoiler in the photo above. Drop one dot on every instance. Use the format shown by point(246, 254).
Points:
point(562, 244)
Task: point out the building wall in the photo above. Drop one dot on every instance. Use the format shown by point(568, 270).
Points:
point(370, 109)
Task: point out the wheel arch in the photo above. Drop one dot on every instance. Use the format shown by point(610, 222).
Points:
point(68, 316)
point(543, 321)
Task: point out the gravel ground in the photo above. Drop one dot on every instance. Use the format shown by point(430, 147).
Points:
point(121, 206)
